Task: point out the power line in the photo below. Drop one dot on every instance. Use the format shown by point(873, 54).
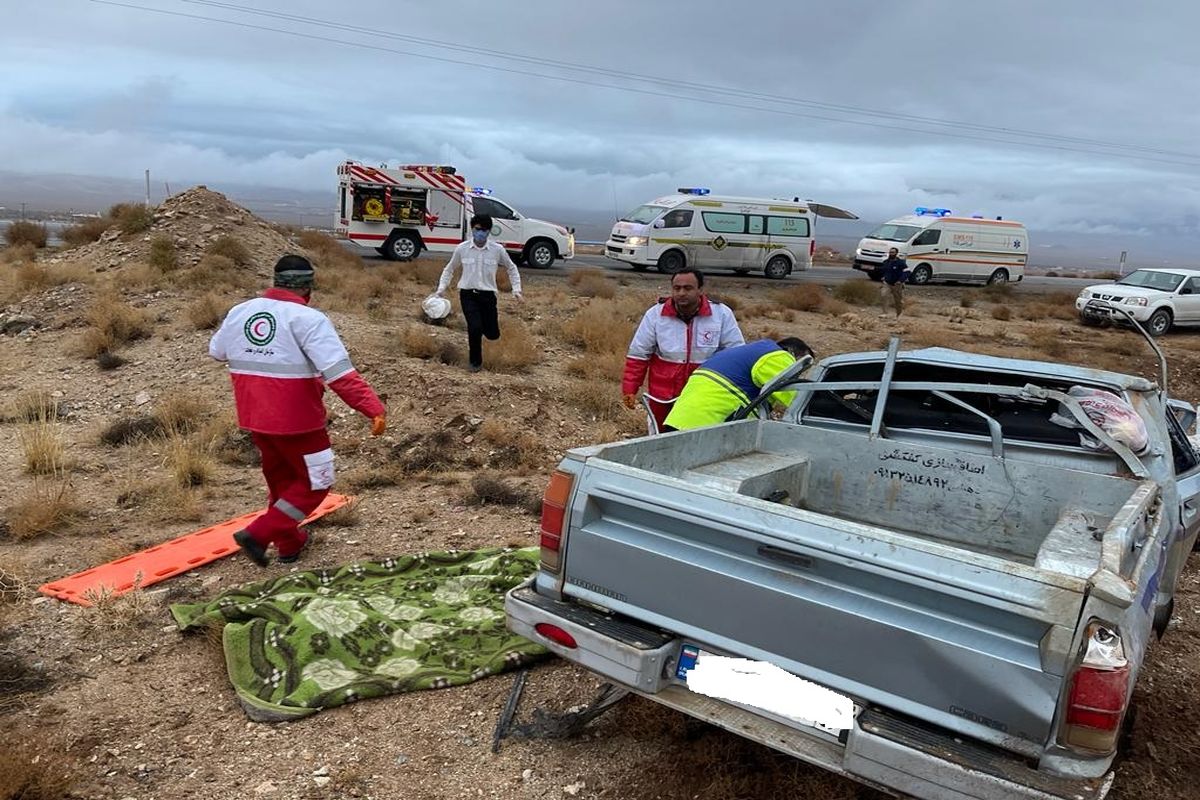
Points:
point(652, 93)
point(676, 83)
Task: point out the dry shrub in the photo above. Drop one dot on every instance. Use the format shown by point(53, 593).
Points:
point(967, 300)
point(433, 452)
point(166, 501)
point(181, 413)
point(231, 248)
point(487, 490)
point(835, 308)
point(514, 351)
point(34, 405)
point(327, 254)
point(132, 217)
point(428, 273)
point(48, 507)
point(1049, 342)
point(419, 342)
point(36, 771)
point(230, 444)
point(86, 232)
point(113, 323)
point(189, 461)
point(594, 402)
point(109, 361)
point(32, 276)
point(591, 282)
point(207, 312)
point(163, 256)
point(217, 272)
point(857, 293)
point(801, 297)
point(117, 612)
point(175, 415)
point(42, 446)
point(1002, 313)
point(514, 447)
point(347, 516)
point(19, 254)
point(602, 326)
point(14, 588)
point(23, 232)
point(998, 291)
point(598, 368)
point(1108, 275)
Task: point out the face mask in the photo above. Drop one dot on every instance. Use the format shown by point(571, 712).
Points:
point(480, 237)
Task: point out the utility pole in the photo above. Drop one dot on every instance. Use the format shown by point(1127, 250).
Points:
point(147, 188)
point(1121, 268)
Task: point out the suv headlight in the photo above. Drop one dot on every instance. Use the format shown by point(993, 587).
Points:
point(1136, 301)
point(634, 241)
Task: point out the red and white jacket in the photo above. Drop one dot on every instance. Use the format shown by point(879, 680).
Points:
point(281, 354)
point(671, 349)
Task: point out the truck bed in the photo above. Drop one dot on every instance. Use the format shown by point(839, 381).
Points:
point(901, 574)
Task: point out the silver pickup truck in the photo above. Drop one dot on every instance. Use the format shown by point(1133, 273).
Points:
point(915, 535)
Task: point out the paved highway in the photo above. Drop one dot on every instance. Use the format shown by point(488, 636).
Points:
point(823, 274)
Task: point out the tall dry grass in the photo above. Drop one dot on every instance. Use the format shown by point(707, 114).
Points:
point(23, 232)
point(515, 350)
point(48, 505)
point(113, 323)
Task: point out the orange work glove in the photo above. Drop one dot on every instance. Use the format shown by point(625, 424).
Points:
point(379, 425)
point(630, 401)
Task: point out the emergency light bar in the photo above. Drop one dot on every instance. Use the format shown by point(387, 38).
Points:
point(480, 190)
point(922, 211)
point(697, 190)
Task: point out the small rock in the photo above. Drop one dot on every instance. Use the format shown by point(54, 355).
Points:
point(574, 788)
point(266, 787)
point(322, 780)
point(141, 398)
point(321, 771)
point(207, 228)
point(526, 774)
point(19, 324)
point(401, 759)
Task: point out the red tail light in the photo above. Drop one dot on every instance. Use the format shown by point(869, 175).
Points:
point(1099, 692)
point(554, 513)
point(555, 634)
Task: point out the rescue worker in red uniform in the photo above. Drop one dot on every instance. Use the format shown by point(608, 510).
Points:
point(674, 338)
point(281, 355)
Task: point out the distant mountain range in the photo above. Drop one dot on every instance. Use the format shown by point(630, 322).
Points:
point(87, 194)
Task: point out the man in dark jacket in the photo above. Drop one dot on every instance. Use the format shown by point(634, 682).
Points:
point(895, 274)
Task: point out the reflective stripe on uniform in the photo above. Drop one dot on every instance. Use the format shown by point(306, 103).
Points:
point(339, 369)
point(290, 510)
point(272, 370)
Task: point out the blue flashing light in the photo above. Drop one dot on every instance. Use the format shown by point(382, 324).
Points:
point(480, 190)
point(697, 190)
point(922, 211)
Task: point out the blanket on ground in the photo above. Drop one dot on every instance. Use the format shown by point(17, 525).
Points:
point(312, 640)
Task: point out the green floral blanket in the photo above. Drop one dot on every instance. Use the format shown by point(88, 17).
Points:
point(312, 640)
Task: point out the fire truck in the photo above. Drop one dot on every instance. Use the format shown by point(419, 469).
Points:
point(404, 210)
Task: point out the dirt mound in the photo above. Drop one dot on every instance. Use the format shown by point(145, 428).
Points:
point(195, 221)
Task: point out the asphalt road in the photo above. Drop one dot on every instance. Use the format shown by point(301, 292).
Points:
point(824, 274)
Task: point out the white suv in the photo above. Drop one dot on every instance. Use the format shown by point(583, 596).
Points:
point(1158, 299)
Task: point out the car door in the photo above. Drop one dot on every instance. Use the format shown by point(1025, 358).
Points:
point(1187, 301)
point(506, 223)
point(721, 229)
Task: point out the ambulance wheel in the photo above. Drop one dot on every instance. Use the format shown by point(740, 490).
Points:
point(921, 275)
point(671, 262)
point(999, 276)
point(540, 253)
point(402, 247)
point(777, 268)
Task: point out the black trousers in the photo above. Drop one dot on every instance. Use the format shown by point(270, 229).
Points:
point(479, 307)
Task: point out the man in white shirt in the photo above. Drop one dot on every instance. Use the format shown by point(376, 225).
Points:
point(479, 259)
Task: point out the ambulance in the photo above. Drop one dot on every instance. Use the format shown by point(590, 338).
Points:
point(939, 246)
point(405, 210)
point(694, 228)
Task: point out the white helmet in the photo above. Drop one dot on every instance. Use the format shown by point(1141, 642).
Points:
point(436, 307)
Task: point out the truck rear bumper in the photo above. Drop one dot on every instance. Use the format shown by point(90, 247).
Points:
point(882, 750)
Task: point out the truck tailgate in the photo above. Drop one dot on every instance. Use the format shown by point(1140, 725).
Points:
point(970, 642)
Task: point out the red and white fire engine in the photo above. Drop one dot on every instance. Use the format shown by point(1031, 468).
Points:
point(403, 210)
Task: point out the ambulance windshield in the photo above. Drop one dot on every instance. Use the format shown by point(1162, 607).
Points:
point(894, 233)
point(643, 214)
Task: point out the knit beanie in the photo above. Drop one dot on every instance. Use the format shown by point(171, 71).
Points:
point(294, 272)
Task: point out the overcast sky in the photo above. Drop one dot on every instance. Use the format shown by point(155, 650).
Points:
point(97, 89)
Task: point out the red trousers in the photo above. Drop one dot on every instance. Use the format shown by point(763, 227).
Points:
point(299, 472)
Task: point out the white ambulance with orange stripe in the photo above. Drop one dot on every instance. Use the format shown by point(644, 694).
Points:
point(939, 246)
point(404, 210)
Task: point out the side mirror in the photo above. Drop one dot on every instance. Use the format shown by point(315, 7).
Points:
point(660, 223)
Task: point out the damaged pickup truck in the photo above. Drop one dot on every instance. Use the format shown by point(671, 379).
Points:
point(960, 588)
